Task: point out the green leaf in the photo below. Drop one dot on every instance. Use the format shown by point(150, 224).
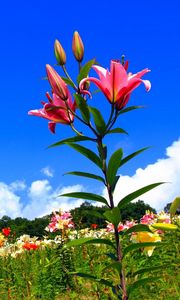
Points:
point(165, 226)
point(68, 81)
point(141, 282)
point(87, 196)
point(113, 216)
point(113, 165)
point(78, 242)
point(117, 130)
point(137, 193)
point(149, 269)
point(89, 240)
point(93, 278)
point(114, 183)
point(112, 256)
point(114, 265)
point(127, 109)
point(127, 158)
point(88, 153)
point(141, 245)
point(88, 175)
point(174, 206)
point(74, 139)
point(83, 107)
point(98, 120)
point(85, 70)
point(137, 228)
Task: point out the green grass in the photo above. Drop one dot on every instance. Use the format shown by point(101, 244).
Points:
point(45, 274)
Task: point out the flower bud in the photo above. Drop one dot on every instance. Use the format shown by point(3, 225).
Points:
point(58, 85)
point(59, 53)
point(77, 47)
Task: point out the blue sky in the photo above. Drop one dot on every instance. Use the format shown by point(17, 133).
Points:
point(147, 33)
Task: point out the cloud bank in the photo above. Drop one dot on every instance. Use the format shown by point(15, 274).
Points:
point(42, 198)
point(163, 170)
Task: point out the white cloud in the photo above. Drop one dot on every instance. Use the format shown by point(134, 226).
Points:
point(163, 170)
point(47, 171)
point(9, 202)
point(43, 200)
point(18, 185)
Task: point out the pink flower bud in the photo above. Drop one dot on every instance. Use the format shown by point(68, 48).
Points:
point(58, 85)
point(59, 53)
point(77, 47)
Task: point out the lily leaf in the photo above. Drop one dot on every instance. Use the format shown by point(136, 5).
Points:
point(87, 196)
point(113, 186)
point(113, 165)
point(83, 107)
point(85, 70)
point(114, 265)
point(149, 269)
point(141, 245)
point(174, 206)
point(137, 193)
point(117, 130)
point(88, 175)
point(98, 120)
point(88, 153)
point(113, 216)
point(127, 109)
point(74, 139)
point(89, 240)
point(137, 228)
point(165, 226)
point(141, 282)
point(93, 278)
point(127, 158)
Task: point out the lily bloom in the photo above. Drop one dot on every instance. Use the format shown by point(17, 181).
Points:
point(59, 87)
point(6, 231)
point(143, 237)
point(30, 246)
point(117, 84)
point(94, 226)
point(57, 111)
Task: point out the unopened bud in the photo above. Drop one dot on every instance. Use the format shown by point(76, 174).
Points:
point(77, 47)
point(58, 85)
point(59, 53)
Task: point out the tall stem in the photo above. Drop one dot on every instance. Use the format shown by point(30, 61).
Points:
point(116, 234)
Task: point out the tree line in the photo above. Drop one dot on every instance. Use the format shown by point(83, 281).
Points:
point(83, 217)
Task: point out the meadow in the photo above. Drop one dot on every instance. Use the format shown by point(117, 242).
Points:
point(31, 268)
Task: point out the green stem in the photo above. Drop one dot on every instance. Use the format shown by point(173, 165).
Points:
point(67, 75)
point(110, 118)
point(116, 233)
point(113, 121)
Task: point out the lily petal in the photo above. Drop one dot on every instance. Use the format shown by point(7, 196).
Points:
point(52, 126)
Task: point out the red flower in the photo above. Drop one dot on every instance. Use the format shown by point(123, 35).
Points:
point(116, 84)
point(94, 226)
point(6, 231)
point(57, 111)
point(29, 246)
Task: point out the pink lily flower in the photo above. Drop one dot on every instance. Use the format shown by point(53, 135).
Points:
point(56, 111)
point(59, 87)
point(117, 84)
